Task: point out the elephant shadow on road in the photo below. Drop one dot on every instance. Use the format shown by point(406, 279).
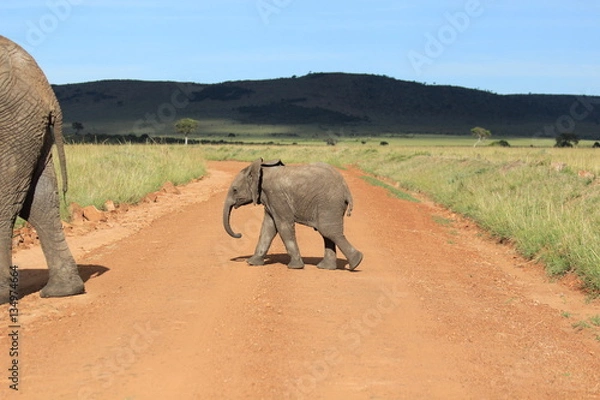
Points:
point(33, 280)
point(284, 258)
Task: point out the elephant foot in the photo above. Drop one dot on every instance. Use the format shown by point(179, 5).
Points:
point(256, 260)
point(327, 264)
point(296, 264)
point(6, 290)
point(355, 260)
point(62, 287)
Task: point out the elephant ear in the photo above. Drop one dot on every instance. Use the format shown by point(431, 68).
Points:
point(273, 163)
point(255, 178)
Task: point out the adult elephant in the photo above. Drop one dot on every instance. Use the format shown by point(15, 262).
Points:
point(30, 122)
point(315, 195)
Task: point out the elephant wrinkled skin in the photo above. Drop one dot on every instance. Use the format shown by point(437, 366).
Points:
point(30, 123)
point(315, 195)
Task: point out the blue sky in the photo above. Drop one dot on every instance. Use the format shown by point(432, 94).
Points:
point(510, 46)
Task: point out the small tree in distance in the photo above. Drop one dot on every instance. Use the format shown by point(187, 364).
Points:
point(186, 126)
point(481, 134)
point(77, 127)
point(566, 140)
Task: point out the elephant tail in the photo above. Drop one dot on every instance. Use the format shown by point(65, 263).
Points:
point(350, 204)
point(56, 133)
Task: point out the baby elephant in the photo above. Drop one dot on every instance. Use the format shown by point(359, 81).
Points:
point(315, 195)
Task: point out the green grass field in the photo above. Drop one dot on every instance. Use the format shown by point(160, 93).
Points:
point(126, 173)
point(518, 194)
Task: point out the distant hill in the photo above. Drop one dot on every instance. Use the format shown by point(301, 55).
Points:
point(350, 104)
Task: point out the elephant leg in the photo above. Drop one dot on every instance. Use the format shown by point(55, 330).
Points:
point(330, 259)
point(335, 233)
point(353, 256)
point(42, 210)
point(9, 209)
point(287, 232)
point(6, 231)
point(267, 234)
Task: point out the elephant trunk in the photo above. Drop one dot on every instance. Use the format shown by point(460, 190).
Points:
point(226, 216)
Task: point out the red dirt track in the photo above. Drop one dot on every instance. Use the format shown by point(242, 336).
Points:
point(172, 311)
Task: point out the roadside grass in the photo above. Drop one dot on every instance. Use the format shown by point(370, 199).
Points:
point(581, 325)
point(549, 215)
point(126, 173)
point(517, 194)
point(393, 191)
point(441, 220)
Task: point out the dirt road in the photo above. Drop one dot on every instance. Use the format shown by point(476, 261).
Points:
point(172, 311)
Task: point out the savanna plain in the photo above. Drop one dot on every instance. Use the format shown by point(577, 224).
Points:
point(480, 279)
point(541, 199)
